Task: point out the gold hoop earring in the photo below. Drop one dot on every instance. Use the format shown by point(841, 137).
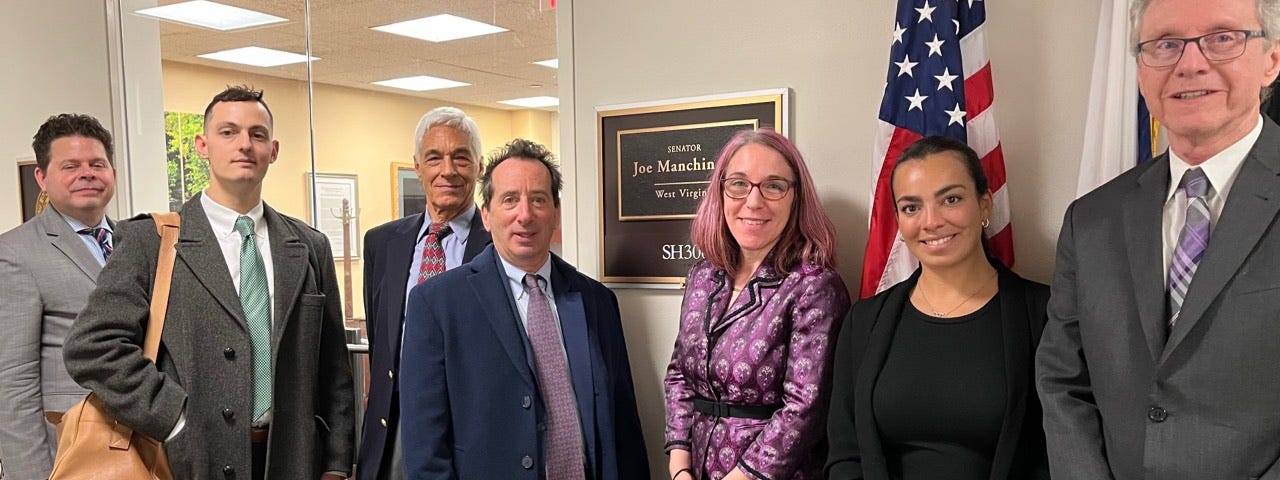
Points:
point(986, 223)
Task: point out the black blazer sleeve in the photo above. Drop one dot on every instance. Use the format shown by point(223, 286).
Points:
point(844, 457)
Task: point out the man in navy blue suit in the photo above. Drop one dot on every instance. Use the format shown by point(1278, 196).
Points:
point(519, 368)
point(399, 254)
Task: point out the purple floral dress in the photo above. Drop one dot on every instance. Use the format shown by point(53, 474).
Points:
point(771, 347)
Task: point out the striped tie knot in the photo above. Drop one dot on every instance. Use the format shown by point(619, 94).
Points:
point(1194, 183)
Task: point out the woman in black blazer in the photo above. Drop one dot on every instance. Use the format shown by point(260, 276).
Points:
point(933, 377)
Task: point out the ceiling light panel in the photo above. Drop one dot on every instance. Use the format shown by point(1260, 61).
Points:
point(533, 102)
point(211, 15)
point(257, 56)
point(421, 83)
point(440, 28)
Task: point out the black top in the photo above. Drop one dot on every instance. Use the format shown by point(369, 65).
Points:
point(940, 399)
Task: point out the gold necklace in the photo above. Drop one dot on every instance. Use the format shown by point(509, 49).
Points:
point(947, 313)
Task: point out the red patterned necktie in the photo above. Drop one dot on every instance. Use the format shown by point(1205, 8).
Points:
point(564, 435)
point(433, 251)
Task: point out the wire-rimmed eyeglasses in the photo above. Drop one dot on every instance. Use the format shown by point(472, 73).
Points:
point(1217, 46)
point(739, 188)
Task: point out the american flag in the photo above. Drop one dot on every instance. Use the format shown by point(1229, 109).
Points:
point(939, 83)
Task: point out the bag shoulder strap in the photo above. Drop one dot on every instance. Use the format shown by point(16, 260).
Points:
point(167, 226)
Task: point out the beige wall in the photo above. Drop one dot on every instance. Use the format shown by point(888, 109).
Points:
point(834, 56)
point(357, 132)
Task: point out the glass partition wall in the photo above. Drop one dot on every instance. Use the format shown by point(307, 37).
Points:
point(346, 81)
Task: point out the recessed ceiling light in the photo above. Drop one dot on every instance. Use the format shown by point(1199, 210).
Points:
point(553, 63)
point(420, 83)
point(533, 102)
point(257, 56)
point(440, 28)
point(211, 15)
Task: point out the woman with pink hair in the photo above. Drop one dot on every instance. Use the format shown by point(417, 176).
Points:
point(747, 386)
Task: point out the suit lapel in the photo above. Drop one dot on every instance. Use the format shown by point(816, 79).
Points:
point(1143, 214)
point(1250, 211)
point(490, 286)
point(876, 353)
point(577, 342)
point(199, 250)
point(395, 276)
point(477, 239)
point(289, 258)
point(1017, 349)
point(67, 241)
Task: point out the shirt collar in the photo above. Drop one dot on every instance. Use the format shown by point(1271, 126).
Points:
point(459, 227)
point(76, 226)
point(1221, 168)
point(515, 276)
point(223, 219)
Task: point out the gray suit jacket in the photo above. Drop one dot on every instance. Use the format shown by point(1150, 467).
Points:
point(1126, 398)
point(205, 363)
point(46, 274)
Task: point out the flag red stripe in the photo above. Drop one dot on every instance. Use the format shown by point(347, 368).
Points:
point(978, 92)
point(993, 165)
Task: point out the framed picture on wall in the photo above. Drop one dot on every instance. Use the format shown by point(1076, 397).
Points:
point(407, 195)
point(29, 190)
point(656, 160)
point(334, 206)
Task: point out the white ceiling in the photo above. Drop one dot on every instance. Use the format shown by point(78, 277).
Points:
point(497, 66)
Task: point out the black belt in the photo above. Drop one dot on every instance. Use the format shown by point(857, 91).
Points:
point(715, 409)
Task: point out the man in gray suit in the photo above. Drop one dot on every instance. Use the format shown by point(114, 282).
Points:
point(1161, 354)
point(48, 266)
point(253, 378)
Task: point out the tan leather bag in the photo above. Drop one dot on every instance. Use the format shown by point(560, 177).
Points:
point(91, 444)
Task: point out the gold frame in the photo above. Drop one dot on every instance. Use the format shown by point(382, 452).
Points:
point(781, 97)
point(396, 168)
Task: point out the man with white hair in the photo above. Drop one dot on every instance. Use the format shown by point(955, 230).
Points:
point(405, 252)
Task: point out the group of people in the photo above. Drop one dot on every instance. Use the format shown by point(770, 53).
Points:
point(491, 357)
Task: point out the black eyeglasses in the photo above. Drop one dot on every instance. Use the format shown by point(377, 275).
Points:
point(1216, 46)
point(738, 188)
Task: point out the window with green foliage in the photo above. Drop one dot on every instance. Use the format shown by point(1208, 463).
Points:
point(188, 172)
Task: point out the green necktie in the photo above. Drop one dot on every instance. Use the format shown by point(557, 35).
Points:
point(257, 311)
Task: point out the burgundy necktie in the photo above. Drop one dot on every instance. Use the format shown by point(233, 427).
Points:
point(564, 435)
point(433, 251)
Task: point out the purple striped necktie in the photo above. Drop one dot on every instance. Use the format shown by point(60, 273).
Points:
point(1191, 242)
point(564, 433)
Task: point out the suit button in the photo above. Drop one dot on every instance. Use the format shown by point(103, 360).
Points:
point(391, 374)
point(526, 402)
point(229, 352)
point(229, 470)
point(1157, 414)
point(228, 414)
point(526, 462)
point(383, 422)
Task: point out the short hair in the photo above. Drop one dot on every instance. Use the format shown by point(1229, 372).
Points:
point(1268, 15)
point(521, 148)
point(449, 117)
point(809, 235)
point(69, 125)
point(237, 93)
point(939, 144)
